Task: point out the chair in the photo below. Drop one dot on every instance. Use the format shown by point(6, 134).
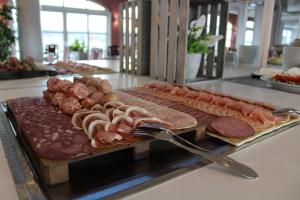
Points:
point(112, 50)
point(97, 54)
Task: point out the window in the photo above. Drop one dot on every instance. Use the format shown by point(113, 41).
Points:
point(228, 35)
point(249, 33)
point(286, 36)
point(64, 21)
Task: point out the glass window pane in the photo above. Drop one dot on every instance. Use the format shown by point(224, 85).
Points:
point(75, 3)
point(98, 41)
point(97, 23)
point(51, 21)
point(76, 22)
point(248, 37)
point(93, 6)
point(81, 37)
point(51, 2)
point(250, 24)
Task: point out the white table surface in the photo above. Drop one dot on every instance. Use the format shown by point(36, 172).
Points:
point(276, 159)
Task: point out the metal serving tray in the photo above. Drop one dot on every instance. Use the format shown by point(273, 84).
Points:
point(26, 74)
point(111, 176)
point(282, 86)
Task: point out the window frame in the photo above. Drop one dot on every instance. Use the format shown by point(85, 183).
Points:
point(66, 10)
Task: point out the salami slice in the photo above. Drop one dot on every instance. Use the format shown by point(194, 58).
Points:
point(64, 86)
point(48, 95)
point(52, 84)
point(79, 90)
point(70, 105)
point(92, 90)
point(58, 99)
point(105, 87)
point(87, 103)
point(231, 128)
point(97, 96)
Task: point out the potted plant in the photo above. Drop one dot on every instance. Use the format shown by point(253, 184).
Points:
point(197, 45)
point(7, 37)
point(76, 50)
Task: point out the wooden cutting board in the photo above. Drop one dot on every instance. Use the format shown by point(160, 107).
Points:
point(53, 172)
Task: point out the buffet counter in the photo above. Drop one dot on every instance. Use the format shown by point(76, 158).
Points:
point(275, 159)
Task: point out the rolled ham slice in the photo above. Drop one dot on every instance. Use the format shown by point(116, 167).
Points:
point(92, 117)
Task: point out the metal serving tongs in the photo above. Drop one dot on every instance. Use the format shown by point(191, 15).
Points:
point(283, 111)
point(160, 133)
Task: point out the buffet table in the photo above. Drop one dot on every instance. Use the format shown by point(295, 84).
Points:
point(275, 159)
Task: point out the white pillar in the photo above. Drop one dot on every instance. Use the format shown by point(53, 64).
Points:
point(265, 36)
point(257, 24)
point(241, 23)
point(30, 29)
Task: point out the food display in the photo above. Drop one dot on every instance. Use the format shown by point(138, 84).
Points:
point(85, 116)
point(229, 118)
point(258, 115)
point(13, 64)
point(83, 93)
point(292, 76)
point(68, 67)
point(13, 68)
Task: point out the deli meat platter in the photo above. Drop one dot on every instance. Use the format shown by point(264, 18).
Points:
point(80, 143)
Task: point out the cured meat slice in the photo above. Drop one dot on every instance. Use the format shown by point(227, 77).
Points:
point(70, 105)
point(80, 91)
point(93, 82)
point(231, 127)
point(78, 117)
point(48, 132)
point(92, 90)
point(97, 96)
point(87, 103)
point(97, 107)
point(105, 87)
point(162, 112)
point(58, 99)
point(64, 85)
point(52, 84)
point(48, 95)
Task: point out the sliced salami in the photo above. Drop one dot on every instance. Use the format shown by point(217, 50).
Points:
point(231, 127)
point(87, 103)
point(48, 95)
point(58, 99)
point(79, 90)
point(64, 86)
point(70, 105)
point(52, 84)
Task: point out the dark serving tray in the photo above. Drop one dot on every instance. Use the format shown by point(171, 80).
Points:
point(26, 74)
point(113, 175)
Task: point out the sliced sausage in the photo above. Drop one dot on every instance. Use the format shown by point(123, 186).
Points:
point(94, 82)
point(231, 127)
point(109, 97)
point(92, 90)
point(105, 87)
point(97, 96)
point(87, 103)
point(52, 84)
point(58, 99)
point(79, 90)
point(64, 86)
point(48, 95)
point(70, 105)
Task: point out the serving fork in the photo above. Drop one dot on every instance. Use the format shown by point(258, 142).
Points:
point(160, 133)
